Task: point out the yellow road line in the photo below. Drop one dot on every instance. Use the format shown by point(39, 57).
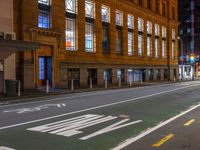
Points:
point(189, 122)
point(164, 140)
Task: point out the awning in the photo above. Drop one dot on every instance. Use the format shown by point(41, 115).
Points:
point(8, 47)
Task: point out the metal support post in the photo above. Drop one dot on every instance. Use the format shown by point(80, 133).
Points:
point(120, 82)
point(106, 83)
point(19, 89)
point(91, 83)
point(47, 86)
point(72, 85)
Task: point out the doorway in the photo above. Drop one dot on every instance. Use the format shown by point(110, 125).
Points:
point(92, 74)
point(45, 70)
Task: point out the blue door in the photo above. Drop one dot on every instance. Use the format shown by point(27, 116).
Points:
point(45, 70)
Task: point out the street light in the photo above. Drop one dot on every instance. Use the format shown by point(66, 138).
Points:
point(182, 74)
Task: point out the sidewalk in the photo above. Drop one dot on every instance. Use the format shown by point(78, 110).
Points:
point(30, 95)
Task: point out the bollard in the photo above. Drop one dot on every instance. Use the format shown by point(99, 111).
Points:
point(174, 79)
point(91, 83)
point(47, 86)
point(72, 85)
point(120, 82)
point(106, 83)
point(131, 83)
point(19, 89)
point(141, 81)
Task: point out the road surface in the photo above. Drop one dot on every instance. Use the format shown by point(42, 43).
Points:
point(135, 118)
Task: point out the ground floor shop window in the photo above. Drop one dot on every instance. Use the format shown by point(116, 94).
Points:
point(150, 74)
point(121, 75)
point(108, 75)
point(92, 74)
point(158, 74)
point(73, 74)
point(165, 74)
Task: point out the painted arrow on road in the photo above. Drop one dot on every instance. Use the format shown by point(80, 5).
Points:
point(34, 109)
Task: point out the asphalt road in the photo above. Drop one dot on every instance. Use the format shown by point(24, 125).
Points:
point(180, 134)
point(97, 120)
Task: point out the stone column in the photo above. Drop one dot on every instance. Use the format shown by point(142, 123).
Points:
point(83, 78)
point(114, 77)
point(100, 79)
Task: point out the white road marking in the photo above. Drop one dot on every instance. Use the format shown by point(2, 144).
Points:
point(78, 95)
point(72, 126)
point(5, 148)
point(111, 128)
point(140, 136)
point(97, 107)
point(34, 109)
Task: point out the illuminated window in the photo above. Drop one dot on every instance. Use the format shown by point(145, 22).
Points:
point(140, 44)
point(119, 18)
point(130, 43)
point(156, 47)
point(163, 48)
point(44, 19)
point(89, 9)
point(130, 22)
point(41, 68)
point(149, 27)
point(71, 6)
point(70, 33)
point(140, 24)
point(173, 49)
point(105, 13)
point(89, 37)
point(157, 30)
point(45, 2)
point(148, 46)
point(173, 34)
point(164, 32)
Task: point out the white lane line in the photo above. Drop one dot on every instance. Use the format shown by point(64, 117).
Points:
point(5, 148)
point(78, 95)
point(97, 107)
point(140, 136)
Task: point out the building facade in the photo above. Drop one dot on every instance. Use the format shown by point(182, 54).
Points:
point(98, 40)
point(7, 63)
point(189, 32)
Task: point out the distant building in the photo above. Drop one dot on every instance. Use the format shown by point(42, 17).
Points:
point(99, 40)
point(189, 32)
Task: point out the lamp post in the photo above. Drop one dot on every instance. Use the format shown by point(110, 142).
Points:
point(182, 67)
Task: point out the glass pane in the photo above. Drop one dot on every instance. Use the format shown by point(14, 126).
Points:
point(130, 43)
point(140, 40)
point(46, 2)
point(148, 46)
point(130, 22)
point(89, 37)
point(70, 33)
point(105, 12)
point(119, 18)
point(70, 6)
point(44, 19)
point(89, 9)
point(140, 24)
point(41, 68)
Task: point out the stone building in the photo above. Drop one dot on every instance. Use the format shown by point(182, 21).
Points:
point(80, 40)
